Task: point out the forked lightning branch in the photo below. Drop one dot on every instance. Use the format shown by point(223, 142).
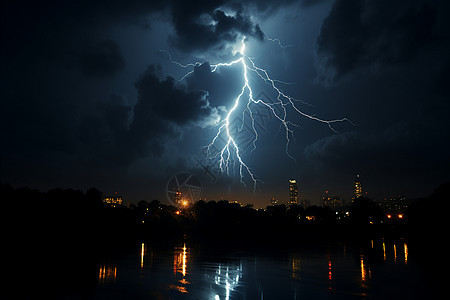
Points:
point(230, 152)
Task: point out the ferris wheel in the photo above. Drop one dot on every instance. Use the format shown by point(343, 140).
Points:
point(183, 189)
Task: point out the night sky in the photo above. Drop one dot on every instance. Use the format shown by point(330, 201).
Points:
point(90, 96)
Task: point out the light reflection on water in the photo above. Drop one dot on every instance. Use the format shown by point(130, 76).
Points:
point(180, 259)
point(107, 273)
point(191, 272)
point(227, 278)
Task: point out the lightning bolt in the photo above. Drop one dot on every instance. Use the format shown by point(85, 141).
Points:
point(230, 151)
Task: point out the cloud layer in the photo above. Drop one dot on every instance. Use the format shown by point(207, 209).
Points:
point(364, 33)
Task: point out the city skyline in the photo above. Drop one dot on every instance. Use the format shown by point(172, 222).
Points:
point(130, 96)
point(327, 198)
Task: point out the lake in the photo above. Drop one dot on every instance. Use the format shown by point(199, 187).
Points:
point(373, 269)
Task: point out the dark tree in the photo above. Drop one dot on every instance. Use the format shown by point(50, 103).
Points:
point(365, 210)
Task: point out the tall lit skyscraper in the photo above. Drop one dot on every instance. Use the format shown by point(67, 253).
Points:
point(177, 197)
point(293, 192)
point(358, 187)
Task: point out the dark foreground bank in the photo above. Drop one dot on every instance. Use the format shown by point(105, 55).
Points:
point(59, 243)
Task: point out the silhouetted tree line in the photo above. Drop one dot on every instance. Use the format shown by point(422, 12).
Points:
point(72, 215)
point(53, 239)
point(428, 219)
point(62, 218)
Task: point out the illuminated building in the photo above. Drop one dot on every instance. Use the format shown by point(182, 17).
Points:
point(293, 192)
point(394, 205)
point(358, 187)
point(177, 197)
point(274, 201)
point(114, 201)
point(236, 202)
point(333, 202)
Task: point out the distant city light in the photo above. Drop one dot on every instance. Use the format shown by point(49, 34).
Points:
point(115, 201)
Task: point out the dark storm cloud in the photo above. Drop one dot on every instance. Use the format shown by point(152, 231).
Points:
point(398, 153)
point(200, 27)
point(58, 60)
point(363, 33)
point(103, 131)
point(102, 58)
point(163, 109)
point(119, 134)
point(307, 3)
point(50, 27)
point(170, 102)
point(47, 131)
point(355, 150)
point(75, 36)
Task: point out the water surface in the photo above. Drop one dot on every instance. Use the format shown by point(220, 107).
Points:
point(376, 269)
